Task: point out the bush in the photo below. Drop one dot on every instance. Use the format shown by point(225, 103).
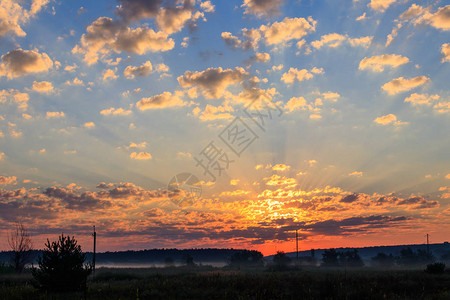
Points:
point(61, 267)
point(436, 268)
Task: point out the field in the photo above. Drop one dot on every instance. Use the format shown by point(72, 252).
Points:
point(250, 283)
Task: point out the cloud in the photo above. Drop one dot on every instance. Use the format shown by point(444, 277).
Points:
point(134, 145)
point(445, 50)
point(393, 34)
point(295, 103)
point(421, 99)
point(250, 39)
point(13, 15)
point(280, 180)
point(42, 86)
point(356, 174)
point(412, 12)
point(440, 19)
point(334, 40)
point(389, 119)
point(75, 81)
point(380, 5)
point(54, 114)
point(286, 30)
point(115, 112)
point(105, 35)
point(331, 40)
point(299, 75)
point(281, 167)
point(172, 19)
point(213, 81)
point(377, 63)
point(109, 74)
point(160, 101)
point(21, 62)
point(140, 155)
point(7, 180)
point(89, 125)
point(143, 70)
point(401, 84)
point(15, 97)
point(134, 10)
point(262, 57)
point(211, 112)
point(207, 6)
point(262, 7)
point(361, 17)
point(234, 181)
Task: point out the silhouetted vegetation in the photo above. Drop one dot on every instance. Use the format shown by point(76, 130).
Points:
point(247, 258)
point(349, 258)
point(436, 268)
point(20, 242)
point(61, 267)
point(409, 257)
point(383, 260)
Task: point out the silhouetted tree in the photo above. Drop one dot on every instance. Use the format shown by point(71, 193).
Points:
point(169, 262)
point(61, 267)
point(281, 258)
point(330, 258)
point(350, 259)
point(189, 260)
point(383, 260)
point(20, 242)
point(409, 257)
point(246, 257)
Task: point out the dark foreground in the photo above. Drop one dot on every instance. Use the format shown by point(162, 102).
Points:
point(215, 283)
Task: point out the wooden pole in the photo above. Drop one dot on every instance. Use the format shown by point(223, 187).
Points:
point(93, 256)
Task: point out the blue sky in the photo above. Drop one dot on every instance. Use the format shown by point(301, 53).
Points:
point(128, 93)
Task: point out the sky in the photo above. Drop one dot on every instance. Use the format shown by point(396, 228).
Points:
point(326, 117)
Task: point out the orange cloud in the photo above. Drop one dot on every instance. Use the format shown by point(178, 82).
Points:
point(389, 119)
point(213, 81)
point(377, 63)
point(161, 101)
point(143, 70)
point(115, 112)
point(140, 155)
point(380, 5)
point(42, 86)
point(21, 62)
point(262, 8)
point(402, 84)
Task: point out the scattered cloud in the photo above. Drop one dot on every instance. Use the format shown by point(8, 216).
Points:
point(42, 86)
point(164, 100)
point(21, 62)
point(140, 155)
point(54, 114)
point(379, 62)
point(445, 50)
point(262, 7)
point(115, 112)
point(299, 75)
point(402, 84)
point(213, 81)
point(143, 70)
point(389, 119)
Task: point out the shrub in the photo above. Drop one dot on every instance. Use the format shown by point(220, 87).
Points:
point(61, 267)
point(436, 268)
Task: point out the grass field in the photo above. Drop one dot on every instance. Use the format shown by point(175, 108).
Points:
point(250, 283)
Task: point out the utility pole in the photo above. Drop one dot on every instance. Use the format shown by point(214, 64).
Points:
point(296, 242)
point(428, 245)
point(93, 256)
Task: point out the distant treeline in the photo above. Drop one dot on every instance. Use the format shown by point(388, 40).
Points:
point(150, 256)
